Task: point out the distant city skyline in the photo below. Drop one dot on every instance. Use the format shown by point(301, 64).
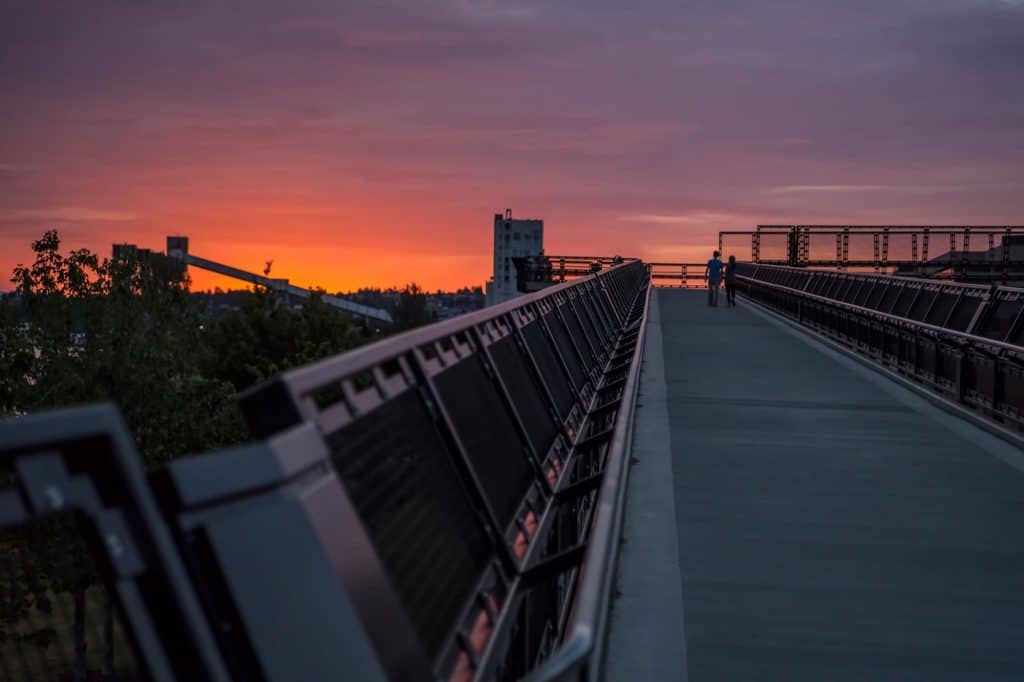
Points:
point(370, 143)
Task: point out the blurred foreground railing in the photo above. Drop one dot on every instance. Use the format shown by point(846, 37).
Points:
point(443, 504)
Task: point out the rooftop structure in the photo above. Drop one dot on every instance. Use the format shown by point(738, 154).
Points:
point(513, 238)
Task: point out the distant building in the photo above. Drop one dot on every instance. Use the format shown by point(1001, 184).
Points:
point(131, 252)
point(512, 238)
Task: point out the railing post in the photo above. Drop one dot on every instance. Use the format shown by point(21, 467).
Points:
point(964, 254)
point(961, 372)
point(1006, 254)
point(846, 248)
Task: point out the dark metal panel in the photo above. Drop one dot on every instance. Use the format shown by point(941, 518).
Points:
point(963, 312)
point(846, 289)
point(527, 394)
point(922, 304)
point(999, 322)
point(492, 442)
point(942, 307)
point(567, 348)
point(555, 377)
point(890, 297)
point(876, 295)
point(585, 341)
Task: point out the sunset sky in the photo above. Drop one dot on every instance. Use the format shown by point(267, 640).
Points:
point(370, 142)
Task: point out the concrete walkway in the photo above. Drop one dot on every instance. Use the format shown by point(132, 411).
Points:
point(830, 524)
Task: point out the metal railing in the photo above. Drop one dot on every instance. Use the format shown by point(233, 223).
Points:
point(961, 341)
point(443, 504)
point(951, 255)
point(80, 534)
point(681, 275)
point(538, 272)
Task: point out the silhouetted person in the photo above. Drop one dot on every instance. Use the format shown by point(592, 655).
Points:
point(713, 276)
point(730, 281)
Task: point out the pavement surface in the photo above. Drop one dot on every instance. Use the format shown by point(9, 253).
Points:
point(793, 515)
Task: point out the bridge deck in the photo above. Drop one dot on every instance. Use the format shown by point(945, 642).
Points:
point(830, 524)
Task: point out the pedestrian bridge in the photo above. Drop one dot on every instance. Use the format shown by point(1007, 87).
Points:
point(599, 480)
point(795, 515)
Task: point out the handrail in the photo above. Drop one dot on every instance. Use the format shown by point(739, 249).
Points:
point(903, 321)
point(308, 375)
point(877, 275)
point(590, 613)
point(419, 359)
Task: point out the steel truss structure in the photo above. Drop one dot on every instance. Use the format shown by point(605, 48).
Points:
point(996, 260)
point(962, 341)
point(443, 504)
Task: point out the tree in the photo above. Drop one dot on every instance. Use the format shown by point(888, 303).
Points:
point(113, 330)
point(15, 355)
point(88, 330)
point(265, 338)
point(411, 309)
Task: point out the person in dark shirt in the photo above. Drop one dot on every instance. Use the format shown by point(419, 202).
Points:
point(713, 276)
point(730, 282)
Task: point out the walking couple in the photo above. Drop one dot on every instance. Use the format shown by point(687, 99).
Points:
point(713, 276)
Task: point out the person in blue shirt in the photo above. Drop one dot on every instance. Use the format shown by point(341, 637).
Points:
point(713, 276)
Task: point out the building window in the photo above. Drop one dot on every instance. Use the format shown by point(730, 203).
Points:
point(508, 225)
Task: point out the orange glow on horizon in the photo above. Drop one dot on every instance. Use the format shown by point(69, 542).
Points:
point(346, 248)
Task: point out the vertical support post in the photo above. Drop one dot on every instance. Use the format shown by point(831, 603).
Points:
point(720, 249)
point(990, 253)
point(874, 240)
point(964, 253)
point(885, 246)
point(961, 373)
point(755, 245)
point(913, 247)
point(839, 250)
point(846, 248)
point(924, 250)
point(1006, 254)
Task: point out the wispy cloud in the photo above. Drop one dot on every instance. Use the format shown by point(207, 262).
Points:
point(66, 213)
point(690, 218)
point(833, 189)
point(19, 167)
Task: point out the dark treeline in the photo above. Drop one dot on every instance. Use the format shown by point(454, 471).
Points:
point(78, 329)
